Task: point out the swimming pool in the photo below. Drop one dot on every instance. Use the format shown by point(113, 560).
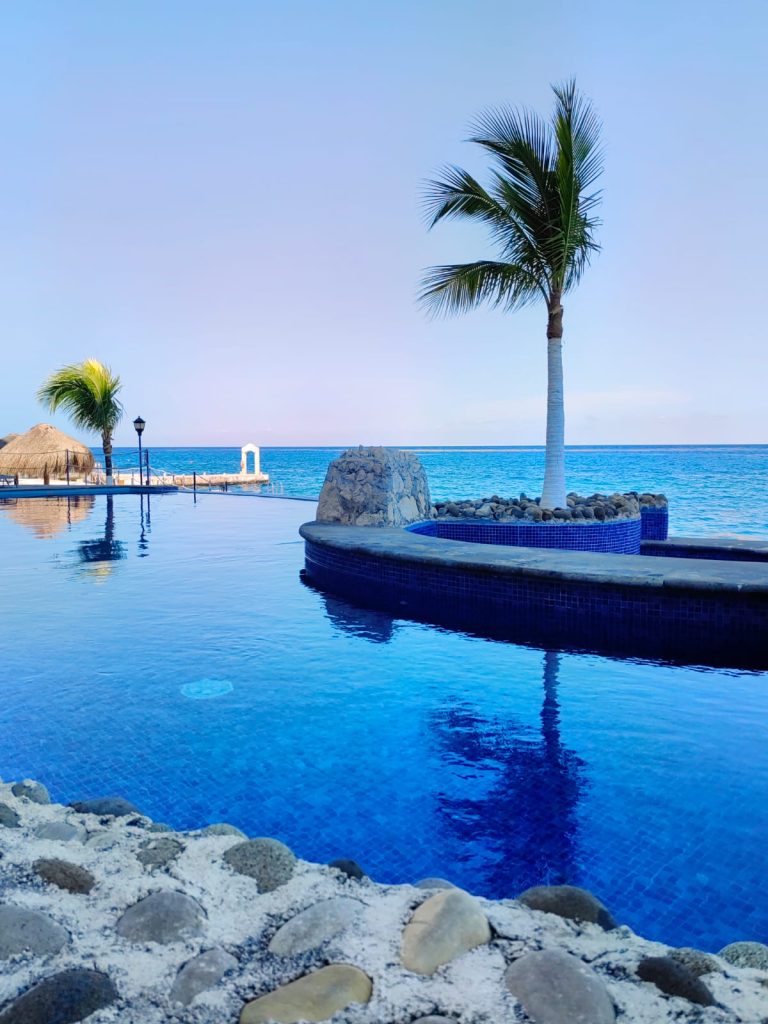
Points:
point(173, 655)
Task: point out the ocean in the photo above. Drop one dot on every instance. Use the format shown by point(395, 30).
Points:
point(712, 489)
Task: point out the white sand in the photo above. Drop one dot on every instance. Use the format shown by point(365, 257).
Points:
point(242, 921)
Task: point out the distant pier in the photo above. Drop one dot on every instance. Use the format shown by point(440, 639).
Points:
point(215, 479)
point(243, 478)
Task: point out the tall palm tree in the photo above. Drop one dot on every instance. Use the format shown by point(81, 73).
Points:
point(539, 208)
point(88, 392)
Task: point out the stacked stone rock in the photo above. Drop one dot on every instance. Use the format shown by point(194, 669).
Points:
point(220, 928)
point(374, 487)
point(596, 507)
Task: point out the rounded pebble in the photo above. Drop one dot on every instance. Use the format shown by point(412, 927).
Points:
point(269, 861)
point(64, 998)
point(64, 875)
point(746, 954)
point(568, 901)
point(22, 929)
point(155, 853)
point(314, 926)
point(221, 828)
point(59, 830)
point(34, 791)
point(200, 974)
point(162, 917)
point(695, 960)
point(674, 979)
point(554, 987)
point(8, 817)
point(446, 925)
point(107, 806)
point(315, 997)
point(350, 868)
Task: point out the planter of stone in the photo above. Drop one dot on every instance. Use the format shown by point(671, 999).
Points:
point(602, 523)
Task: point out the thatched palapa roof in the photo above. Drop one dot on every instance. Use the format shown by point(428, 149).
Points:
point(7, 439)
point(42, 451)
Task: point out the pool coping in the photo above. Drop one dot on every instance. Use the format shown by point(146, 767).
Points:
point(729, 547)
point(638, 571)
point(81, 490)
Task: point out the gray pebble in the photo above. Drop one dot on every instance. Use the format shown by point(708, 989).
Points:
point(568, 901)
point(350, 868)
point(314, 926)
point(114, 806)
point(695, 960)
point(674, 979)
point(222, 829)
point(746, 954)
point(8, 817)
point(554, 987)
point(162, 917)
point(34, 791)
point(432, 1019)
point(102, 840)
point(201, 973)
point(59, 830)
point(22, 929)
point(64, 998)
point(269, 861)
point(155, 853)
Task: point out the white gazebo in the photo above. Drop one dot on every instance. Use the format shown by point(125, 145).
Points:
point(245, 451)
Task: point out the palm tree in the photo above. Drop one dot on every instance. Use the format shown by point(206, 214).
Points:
point(539, 208)
point(88, 392)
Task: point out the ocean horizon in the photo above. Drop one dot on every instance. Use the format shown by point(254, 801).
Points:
point(712, 488)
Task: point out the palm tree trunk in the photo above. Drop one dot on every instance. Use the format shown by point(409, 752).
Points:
point(553, 495)
point(106, 443)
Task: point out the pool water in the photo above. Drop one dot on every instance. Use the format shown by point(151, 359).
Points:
point(172, 654)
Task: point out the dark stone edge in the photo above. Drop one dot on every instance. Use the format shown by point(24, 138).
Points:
point(640, 571)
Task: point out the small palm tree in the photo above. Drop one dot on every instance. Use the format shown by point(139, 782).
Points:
point(88, 392)
point(539, 208)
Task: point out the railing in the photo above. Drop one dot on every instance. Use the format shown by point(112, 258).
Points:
point(62, 465)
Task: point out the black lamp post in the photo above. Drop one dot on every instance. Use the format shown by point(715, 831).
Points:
point(138, 426)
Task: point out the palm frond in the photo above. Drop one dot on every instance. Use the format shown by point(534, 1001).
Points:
point(460, 287)
point(88, 392)
point(579, 163)
point(457, 194)
point(521, 144)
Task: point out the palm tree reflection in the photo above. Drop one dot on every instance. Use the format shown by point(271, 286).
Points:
point(520, 826)
point(97, 555)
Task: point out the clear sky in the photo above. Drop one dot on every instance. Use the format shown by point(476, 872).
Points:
point(220, 200)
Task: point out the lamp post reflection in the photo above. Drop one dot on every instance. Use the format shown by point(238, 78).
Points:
point(145, 526)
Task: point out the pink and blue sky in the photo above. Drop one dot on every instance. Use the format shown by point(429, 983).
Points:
point(221, 200)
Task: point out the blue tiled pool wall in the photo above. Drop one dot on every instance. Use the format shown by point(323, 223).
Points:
point(720, 554)
point(619, 536)
point(678, 625)
point(654, 522)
